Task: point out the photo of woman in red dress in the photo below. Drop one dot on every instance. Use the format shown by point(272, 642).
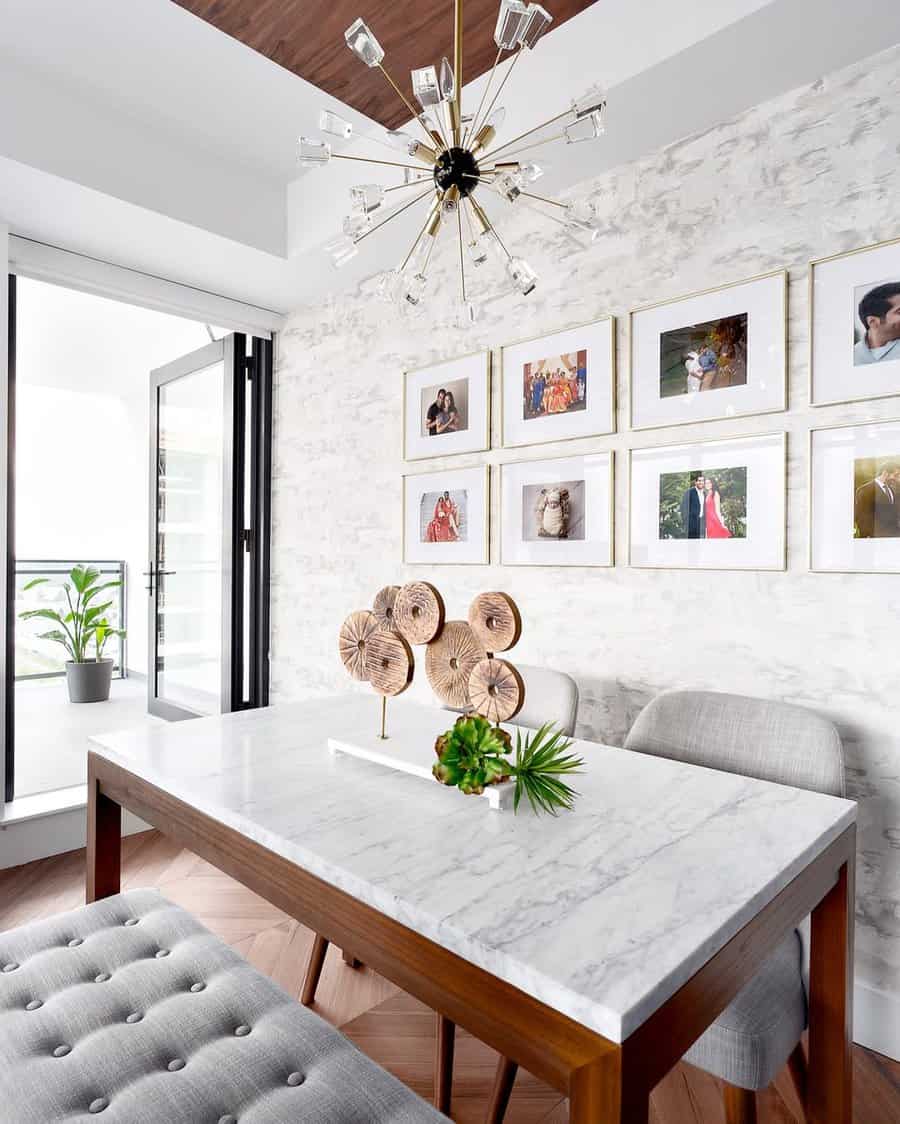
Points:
point(712, 512)
point(444, 525)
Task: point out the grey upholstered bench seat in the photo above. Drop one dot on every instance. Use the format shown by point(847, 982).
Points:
point(129, 1011)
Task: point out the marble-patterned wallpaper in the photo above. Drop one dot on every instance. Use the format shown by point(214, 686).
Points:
point(810, 173)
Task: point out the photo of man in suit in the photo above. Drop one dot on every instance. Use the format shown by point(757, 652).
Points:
point(693, 518)
point(878, 333)
point(876, 509)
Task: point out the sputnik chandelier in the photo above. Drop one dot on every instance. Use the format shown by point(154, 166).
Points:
point(457, 158)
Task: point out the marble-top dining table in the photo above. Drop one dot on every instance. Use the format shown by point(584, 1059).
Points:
point(593, 948)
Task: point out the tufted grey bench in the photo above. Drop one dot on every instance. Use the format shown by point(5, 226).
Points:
point(129, 1010)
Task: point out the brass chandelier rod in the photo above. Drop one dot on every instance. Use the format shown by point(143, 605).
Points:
point(406, 102)
point(528, 132)
point(409, 203)
point(517, 152)
point(499, 91)
point(471, 126)
point(456, 110)
point(371, 160)
point(428, 221)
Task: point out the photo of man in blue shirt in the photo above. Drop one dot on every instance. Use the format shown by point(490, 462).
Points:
point(878, 339)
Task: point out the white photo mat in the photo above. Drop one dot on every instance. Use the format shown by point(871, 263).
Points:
point(832, 456)
point(833, 285)
point(598, 339)
point(468, 376)
point(763, 456)
point(764, 301)
point(519, 479)
point(474, 484)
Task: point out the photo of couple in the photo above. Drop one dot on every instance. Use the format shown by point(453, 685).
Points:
point(703, 505)
point(876, 337)
point(555, 386)
point(445, 409)
point(701, 357)
point(442, 516)
point(876, 498)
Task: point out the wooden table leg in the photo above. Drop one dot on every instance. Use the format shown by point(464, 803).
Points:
point(104, 844)
point(443, 1064)
point(600, 1094)
point(830, 1075)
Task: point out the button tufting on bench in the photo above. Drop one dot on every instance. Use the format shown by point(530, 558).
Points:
point(187, 990)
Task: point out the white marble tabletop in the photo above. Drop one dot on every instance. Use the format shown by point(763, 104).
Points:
point(601, 913)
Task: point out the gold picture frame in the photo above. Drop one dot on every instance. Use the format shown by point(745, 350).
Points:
point(613, 409)
point(810, 282)
point(782, 565)
point(485, 560)
point(783, 403)
point(809, 479)
point(468, 450)
point(611, 453)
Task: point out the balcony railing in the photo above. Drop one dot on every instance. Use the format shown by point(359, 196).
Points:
point(43, 659)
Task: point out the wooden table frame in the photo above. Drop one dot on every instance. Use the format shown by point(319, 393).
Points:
point(606, 1082)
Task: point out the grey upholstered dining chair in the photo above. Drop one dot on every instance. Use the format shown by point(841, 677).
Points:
point(760, 1030)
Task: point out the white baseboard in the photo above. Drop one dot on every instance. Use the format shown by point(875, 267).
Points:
point(876, 1020)
point(40, 836)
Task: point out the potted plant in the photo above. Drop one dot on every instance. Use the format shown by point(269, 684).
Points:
point(88, 678)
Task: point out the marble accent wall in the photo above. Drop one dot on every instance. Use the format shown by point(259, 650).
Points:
point(810, 173)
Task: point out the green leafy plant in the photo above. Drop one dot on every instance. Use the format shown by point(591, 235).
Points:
point(473, 754)
point(85, 621)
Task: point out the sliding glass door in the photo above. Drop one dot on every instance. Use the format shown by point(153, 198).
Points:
point(207, 573)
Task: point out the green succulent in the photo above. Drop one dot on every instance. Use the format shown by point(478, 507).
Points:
point(472, 755)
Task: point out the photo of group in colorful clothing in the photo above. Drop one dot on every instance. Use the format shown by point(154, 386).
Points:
point(557, 385)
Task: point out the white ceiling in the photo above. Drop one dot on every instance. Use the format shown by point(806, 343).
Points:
point(137, 133)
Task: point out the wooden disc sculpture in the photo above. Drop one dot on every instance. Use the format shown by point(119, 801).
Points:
point(419, 612)
point(450, 660)
point(496, 690)
point(459, 659)
point(353, 639)
point(383, 607)
point(389, 663)
point(495, 620)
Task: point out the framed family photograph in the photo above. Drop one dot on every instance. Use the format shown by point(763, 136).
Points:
point(446, 516)
point(447, 408)
point(710, 505)
point(854, 329)
point(557, 512)
point(560, 386)
point(711, 355)
point(854, 473)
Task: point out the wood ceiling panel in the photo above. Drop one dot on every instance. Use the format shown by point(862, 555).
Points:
point(308, 39)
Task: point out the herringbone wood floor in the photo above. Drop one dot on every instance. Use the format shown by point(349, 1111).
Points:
point(391, 1027)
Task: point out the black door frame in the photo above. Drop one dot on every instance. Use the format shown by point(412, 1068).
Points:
point(246, 521)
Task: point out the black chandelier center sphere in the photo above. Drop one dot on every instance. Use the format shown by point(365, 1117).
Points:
point(456, 167)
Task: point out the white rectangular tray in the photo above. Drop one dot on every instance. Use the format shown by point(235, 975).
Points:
point(410, 752)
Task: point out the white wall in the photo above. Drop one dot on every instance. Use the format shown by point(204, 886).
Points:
point(82, 430)
point(4, 383)
point(809, 173)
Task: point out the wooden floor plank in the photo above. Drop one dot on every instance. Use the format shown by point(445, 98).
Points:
point(393, 1028)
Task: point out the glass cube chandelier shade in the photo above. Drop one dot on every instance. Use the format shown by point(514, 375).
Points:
point(452, 162)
